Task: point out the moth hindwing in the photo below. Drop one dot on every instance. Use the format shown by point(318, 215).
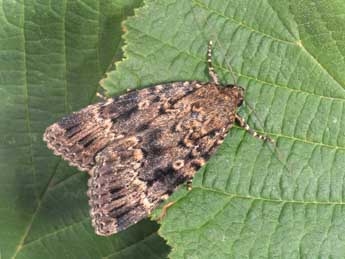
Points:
point(140, 146)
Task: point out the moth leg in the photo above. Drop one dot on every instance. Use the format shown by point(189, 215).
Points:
point(101, 96)
point(252, 132)
point(211, 71)
point(164, 210)
point(189, 184)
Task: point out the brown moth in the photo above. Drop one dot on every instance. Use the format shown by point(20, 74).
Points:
point(140, 146)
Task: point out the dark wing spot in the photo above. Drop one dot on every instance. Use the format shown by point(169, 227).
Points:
point(72, 131)
point(156, 99)
point(143, 127)
point(126, 115)
point(70, 121)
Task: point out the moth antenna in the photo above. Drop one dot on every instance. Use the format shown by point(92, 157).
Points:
point(227, 63)
point(275, 148)
point(210, 50)
point(252, 132)
point(211, 71)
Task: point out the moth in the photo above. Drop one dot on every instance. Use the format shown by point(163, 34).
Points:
point(140, 146)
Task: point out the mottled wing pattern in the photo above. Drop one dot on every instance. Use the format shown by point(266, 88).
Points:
point(140, 146)
point(159, 145)
point(80, 136)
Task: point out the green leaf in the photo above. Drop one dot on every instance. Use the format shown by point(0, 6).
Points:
point(52, 55)
point(254, 200)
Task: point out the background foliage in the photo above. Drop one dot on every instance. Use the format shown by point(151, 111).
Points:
point(251, 200)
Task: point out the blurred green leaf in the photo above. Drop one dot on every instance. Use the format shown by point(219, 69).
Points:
point(253, 200)
point(52, 55)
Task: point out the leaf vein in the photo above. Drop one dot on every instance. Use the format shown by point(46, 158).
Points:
point(317, 62)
